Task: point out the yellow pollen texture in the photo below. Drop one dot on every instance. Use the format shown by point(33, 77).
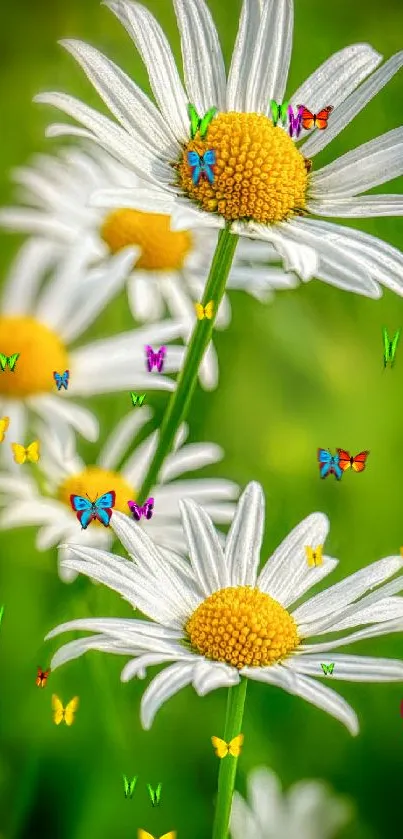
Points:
point(161, 248)
point(242, 626)
point(93, 482)
point(41, 353)
point(259, 173)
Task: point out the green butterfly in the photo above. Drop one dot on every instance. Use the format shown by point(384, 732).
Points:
point(11, 360)
point(155, 794)
point(129, 786)
point(279, 112)
point(327, 669)
point(389, 346)
point(137, 400)
point(1, 613)
point(199, 124)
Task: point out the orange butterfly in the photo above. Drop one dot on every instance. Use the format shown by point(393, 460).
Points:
point(319, 120)
point(42, 677)
point(356, 463)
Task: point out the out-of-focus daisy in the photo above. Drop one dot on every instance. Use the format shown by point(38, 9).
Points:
point(262, 181)
point(65, 473)
point(216, 620)
point(309, 810)
point(169, 268)
point(41, 321)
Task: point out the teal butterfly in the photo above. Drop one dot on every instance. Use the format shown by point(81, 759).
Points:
point(389, 346)
point(155, 794)
point(327, 669)
point(278, 112)
point(199, 124)
point(11, 360)
point(137, 400)
point(129, 786)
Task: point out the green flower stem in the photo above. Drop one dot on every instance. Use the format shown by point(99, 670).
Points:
point(228, 765)
point(180, 399)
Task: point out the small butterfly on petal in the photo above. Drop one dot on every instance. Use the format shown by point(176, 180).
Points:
point(279, 113)
point(202, 165)
point(23, 453)
point(62, 379)
point(234, 747)
point(199, 124)
point(314, 555)
point(100, 509)
point(60, 713)
point(328, 669)
point(318, 120)
point(206, 311)
point(155, 359)
point(4, 423)
point(145, 510)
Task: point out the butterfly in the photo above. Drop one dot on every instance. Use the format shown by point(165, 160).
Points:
point(295, 122)
point(146, 510)
point(42, 677)
point(314, 556)
point(206, 311)
point(356, 463)
point(62, 379)
point(329, 464)
point(319, 120)
point(137, 400)
point(278, 112)
point(129, 786)
point(4, 423)
point(67, 713)
point(155, 794)
point(100, 509)
point(142, 834)
point(11, 360)
point(201, 164)
point(327, 669)
point(222, 749)
point(155, 359)
point(198, 124)
point(22, 453)
point(389, 346)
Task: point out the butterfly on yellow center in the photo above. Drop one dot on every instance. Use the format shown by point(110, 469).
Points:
point(206, 311)
point(142, 834)
point(314, 555)
point(60, 713)
point(22, 453)
point(4, 423)
point(222, 749)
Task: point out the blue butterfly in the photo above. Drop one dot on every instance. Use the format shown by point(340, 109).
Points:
point(87, 510)
point(201, 164)
point(328, 464)
point(62, 380)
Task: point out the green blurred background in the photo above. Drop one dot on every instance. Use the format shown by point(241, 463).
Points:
point(302, 372)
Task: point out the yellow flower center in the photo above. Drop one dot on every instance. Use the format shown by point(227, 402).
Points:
point(162, 249)
point(93, 482)
point(259, 173)
point(41, 353)
point(242, 626)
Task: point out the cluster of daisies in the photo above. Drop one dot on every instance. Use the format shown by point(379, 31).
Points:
point(117, 209)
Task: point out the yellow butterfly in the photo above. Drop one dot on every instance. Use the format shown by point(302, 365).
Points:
point(206, 311)
point(222, 749)
point(142, 834)
point(67, 713)
point(314, 556)
point(4, 423)
point(21, 454)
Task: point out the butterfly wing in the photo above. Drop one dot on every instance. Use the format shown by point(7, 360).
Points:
point(84, 509)
point(135, 509)
point(148, 508)
point(344, 459)
point(170, 835)
point(3, 362)
point(220, 746)
point(195, 163)
point(235, 746)
point(205, 122)
point(393, 347)
point(12, 361)
point(309, 556)
point(4, 423)
point(209, 309)
point(359, 461)
point(307, 118)
point(325, 462)
point(58, 379)
point(19, 453)
point(150, 357)
point(33, 451)
point(58, 710)
point(199, 311)
point(207, 162)
point(158, 793)
point(194, 120)
point(70, 710)
point(275, 111)
point(141, 399)
point(132, 785)
point(331, 668)
point(322, 117)
point(160, 355)
point(324, 668)
point(65, 379)
point(283, 109)
point(102, 508)
point(386, 346)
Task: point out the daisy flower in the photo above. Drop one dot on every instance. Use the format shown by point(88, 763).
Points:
point(65, 473)
point(215, 620)
point(40, 317)
point(262, 179)
point(308, 811)
point(169, 268)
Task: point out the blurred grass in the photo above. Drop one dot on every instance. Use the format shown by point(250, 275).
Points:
point(302, 372)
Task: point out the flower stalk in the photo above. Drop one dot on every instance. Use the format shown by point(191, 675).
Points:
point(228, 764)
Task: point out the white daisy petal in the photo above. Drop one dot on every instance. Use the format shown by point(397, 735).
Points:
point(203, 62)
point(243, 822)
point(139, 632)
point(145, 298)
point(75, 649)
point(210, 675)
point(244, 540)
point(147, 200)
point(363, 207)
point(271, 56)
point(51, 406)
point(121, 437)
point(136, 466)
point(350, 668)
point(354, 614)
point(205, 552)
point(240, 65)
point(193, 456)
point(166, 684)
point(370, 632)
point(298, 257)
point(33, 260)
point(137, 667)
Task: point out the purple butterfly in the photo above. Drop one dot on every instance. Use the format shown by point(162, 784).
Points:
point(295, 122)
point(155, 359)
point(146, 510)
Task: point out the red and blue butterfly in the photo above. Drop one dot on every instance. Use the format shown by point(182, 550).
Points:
point(100, 509)
point(201, 164)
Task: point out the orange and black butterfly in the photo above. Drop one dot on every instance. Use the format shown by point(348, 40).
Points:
point(356, 463)
point(42, 677)
point(315, 120)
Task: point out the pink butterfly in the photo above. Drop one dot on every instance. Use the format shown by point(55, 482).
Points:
point(146, 510)
point(155, 359)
